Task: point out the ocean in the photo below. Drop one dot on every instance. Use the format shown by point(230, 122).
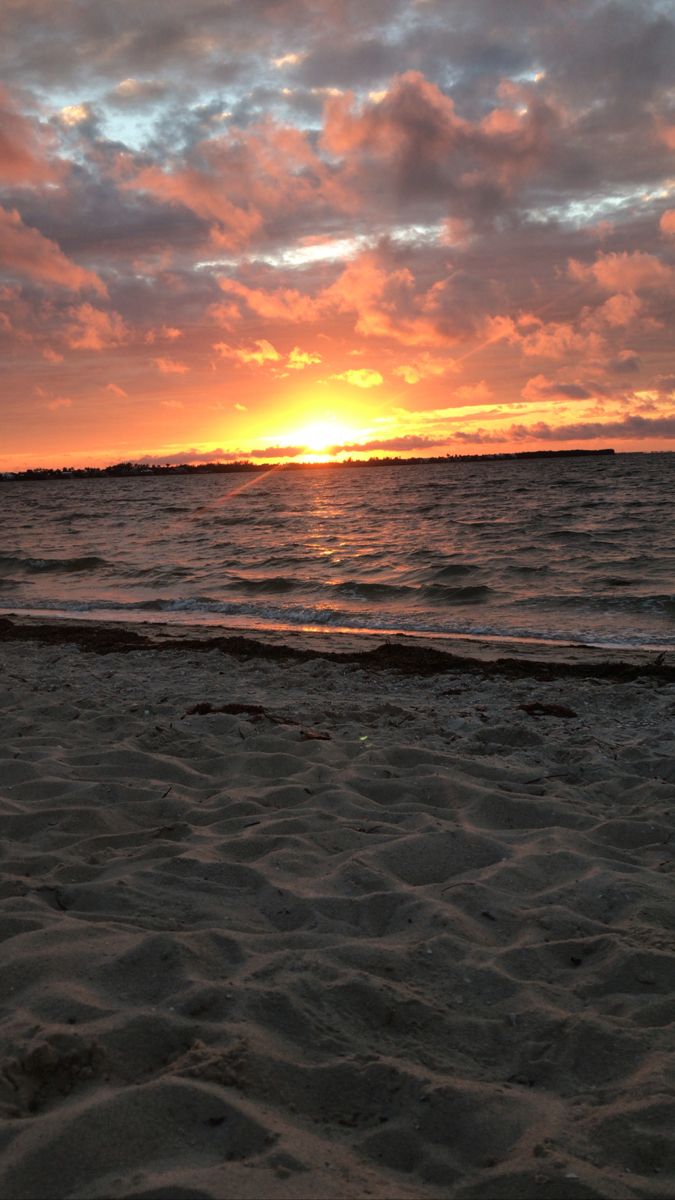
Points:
point(554, 550)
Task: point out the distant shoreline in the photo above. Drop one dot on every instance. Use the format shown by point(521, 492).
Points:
point(136, 469)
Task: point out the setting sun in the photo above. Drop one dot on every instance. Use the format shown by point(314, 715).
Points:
point(320, 437)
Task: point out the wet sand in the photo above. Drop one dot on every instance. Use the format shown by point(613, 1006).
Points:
point(294, 919)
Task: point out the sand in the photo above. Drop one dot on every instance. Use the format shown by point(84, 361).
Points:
point(292, 926)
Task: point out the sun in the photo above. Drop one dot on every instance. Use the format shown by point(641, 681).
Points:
point(319, 437)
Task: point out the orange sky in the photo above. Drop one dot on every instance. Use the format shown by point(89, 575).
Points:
point(311, 230)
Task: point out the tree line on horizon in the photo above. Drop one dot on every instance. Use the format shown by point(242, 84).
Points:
point(132, 469)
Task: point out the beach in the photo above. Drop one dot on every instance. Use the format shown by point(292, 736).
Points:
point(303, 917)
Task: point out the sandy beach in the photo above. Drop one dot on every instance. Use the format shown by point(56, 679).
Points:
point(284, 924)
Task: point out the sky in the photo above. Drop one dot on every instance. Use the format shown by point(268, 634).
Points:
point(280, 229)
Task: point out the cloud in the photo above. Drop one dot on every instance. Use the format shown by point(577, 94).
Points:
point(540, 387)
point(264, 352)
point(60, 402)
point(287, 60)
point(630, 427)
point(131, 93)
point(406, 442)
point(624, 271)
point(244, 181)
point(75, 114)
point(545, 339)
point(625, 362)
point(299, 359)
point(387, 302)
point(667, 221)
point(473, 393)
point(287, 303)
point(94, 329)
point(618, 311)
point(24, 146)
point(423, 367)
point(276, 452)
point(179, 458)
point(116, 390)
point(25, 252)
point(166, 333)
point(169, 366)
point(362, 377)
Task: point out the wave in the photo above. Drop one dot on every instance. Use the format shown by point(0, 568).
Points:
point(269, 583)
point(605, 602)
point(367, 591)
point(364, 590)
point(460, 595)
point(202, 610)
point(86, 562)
point(452, 570)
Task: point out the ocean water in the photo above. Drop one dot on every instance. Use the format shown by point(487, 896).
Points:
point(565, 549)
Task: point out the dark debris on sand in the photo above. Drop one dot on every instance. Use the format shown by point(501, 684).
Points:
point(390, 656)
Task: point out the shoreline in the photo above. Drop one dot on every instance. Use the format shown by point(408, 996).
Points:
point(406, 652)
point(139, 469)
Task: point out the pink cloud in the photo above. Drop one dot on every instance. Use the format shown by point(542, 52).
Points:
point(384, 299)
point(169, 366)
point(164, 333)
point(94, 329)
point(23, 147)
point(413, 128)
point(618, 311)
point(474, 393)
point(667, 223)
point(539, 387)
point(243, 180)
point(262, 352)
point(624, 272)
point(412, 112)
point(284, 303)
point(424, 367)
point(540, 339)
point(25, 251)
point(388, 304)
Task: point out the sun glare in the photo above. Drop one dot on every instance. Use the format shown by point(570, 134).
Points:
point(321, 436)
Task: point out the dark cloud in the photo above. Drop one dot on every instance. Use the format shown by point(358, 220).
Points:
point(627, 362)
point(409, 442)
point(276, 452)
point(182, 457)
point(631, 427)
